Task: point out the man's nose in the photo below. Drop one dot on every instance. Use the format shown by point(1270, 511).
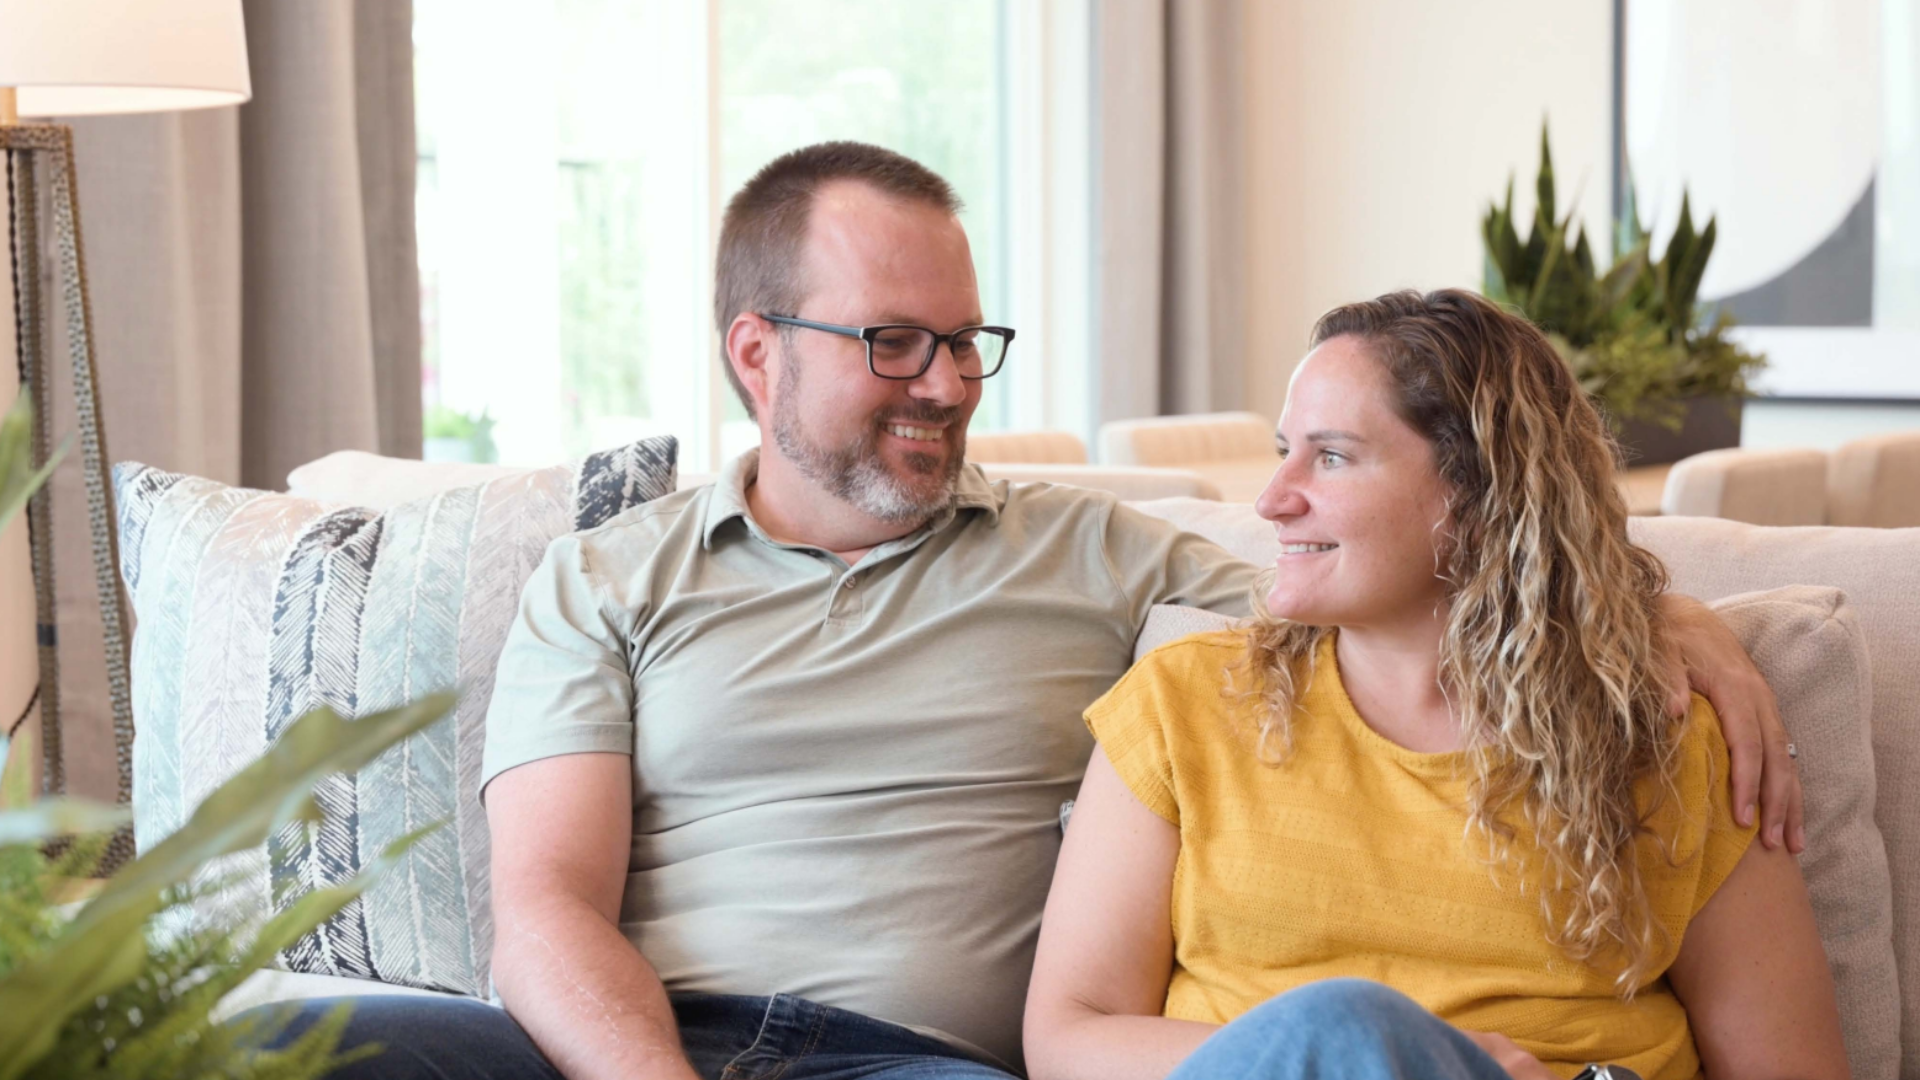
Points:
point(941, 382)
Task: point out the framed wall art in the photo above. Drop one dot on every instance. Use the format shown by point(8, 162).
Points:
point(1795, 125)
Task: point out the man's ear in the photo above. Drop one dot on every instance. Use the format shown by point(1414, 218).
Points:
point(752, 349)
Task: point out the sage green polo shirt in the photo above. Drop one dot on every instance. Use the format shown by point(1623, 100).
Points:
point(847, 781)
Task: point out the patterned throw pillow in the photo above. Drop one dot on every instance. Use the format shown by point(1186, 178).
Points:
point(253, 607)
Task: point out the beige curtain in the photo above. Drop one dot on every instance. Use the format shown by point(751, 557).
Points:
point(254, 291)
point(1170, 263)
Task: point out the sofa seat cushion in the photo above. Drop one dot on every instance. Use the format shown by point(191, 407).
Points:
point(254, 607)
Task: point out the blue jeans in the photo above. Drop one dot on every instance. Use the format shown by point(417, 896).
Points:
point(1339, 1029)
point(726, 1037)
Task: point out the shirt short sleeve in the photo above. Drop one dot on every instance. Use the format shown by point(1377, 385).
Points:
point(1705, 767)
point(561, 686)
point(1128, 722)
point(1156, 562)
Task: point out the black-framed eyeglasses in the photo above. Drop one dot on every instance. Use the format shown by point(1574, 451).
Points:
point(900, 351)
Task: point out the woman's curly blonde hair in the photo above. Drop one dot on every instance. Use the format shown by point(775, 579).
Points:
point(1552, 649)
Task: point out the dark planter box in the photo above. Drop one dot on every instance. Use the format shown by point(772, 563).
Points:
point(1711, 423)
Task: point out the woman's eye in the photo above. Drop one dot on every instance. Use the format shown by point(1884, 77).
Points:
point(1329, 459)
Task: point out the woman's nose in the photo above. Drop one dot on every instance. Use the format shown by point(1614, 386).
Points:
point(1281, 497)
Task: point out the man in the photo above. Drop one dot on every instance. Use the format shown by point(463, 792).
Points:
point(774, 766)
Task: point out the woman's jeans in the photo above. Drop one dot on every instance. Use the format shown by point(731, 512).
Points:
point(1340, 1029)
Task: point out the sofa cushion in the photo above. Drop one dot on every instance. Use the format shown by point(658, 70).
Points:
point(376, 482)
point(1879, 571)
point(1809, 644)
point(254, 607)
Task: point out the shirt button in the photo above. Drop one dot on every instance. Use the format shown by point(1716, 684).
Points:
point(851, 582)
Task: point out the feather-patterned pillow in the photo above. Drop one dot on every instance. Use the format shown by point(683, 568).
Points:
point(253, 607)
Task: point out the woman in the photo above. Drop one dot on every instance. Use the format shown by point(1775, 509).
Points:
point(1428, 815)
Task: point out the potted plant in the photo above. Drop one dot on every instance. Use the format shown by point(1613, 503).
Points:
point(117, 977)
point(1661, 366)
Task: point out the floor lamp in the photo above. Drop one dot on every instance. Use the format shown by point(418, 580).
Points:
point(78, 58)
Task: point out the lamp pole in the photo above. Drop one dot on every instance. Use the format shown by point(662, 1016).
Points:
point(26, 145)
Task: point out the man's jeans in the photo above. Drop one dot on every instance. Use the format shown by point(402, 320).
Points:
point(1340, 1029)
point(726, 1038)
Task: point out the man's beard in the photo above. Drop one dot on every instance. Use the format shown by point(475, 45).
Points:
point(855, 470)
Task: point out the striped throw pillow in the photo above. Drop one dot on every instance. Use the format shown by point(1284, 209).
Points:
point(253, 607)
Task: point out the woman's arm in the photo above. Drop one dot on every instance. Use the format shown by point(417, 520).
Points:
point(1106, 945)
point(1754, 978)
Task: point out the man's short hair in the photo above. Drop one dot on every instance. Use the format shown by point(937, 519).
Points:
point(759, 267)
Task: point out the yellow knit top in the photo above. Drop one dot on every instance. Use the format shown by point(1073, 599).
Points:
point(1352, 859)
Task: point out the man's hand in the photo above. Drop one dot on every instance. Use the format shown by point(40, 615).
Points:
point(1704, 655)
point(1507, 1054)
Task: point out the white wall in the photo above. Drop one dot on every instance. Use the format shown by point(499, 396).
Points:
point(1381, 129)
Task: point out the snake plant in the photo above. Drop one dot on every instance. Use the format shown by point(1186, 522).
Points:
point(1635, 335)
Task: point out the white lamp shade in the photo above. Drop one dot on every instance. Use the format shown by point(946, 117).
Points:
point(86, 57)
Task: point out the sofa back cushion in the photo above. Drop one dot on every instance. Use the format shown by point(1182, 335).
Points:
point(1879, 571)
point(254, 607)
point(1809, 644)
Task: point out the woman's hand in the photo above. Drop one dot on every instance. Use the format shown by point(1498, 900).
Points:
point(1704, 655)
point(1507, 1054)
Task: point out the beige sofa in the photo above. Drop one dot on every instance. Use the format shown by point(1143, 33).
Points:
point(1234, 450)
point(1876, 482)
point(1872, 482)
point(1844, 655)
point(1026, 447)
point(1760, 487)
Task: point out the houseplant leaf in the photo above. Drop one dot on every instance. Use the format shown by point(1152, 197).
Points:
point(166, 1046)
point(1543, 187)
point(105, 947)
point(37, 996)
point(51, 818)
point(1686, 284)
point(16, 769)
point(266, 794)
point(18, 478)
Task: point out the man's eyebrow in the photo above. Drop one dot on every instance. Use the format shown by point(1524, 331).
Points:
point(894, 318)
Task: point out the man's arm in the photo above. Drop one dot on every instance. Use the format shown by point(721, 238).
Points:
point(562, 828)
point(1704, 656)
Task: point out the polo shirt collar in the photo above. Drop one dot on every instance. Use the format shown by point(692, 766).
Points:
point(971, 491)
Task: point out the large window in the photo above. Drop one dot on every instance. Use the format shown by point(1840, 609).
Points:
point(575, 156)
